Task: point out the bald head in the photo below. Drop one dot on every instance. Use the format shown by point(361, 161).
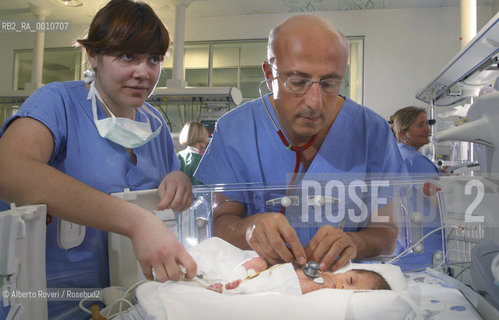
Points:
point(305, 29)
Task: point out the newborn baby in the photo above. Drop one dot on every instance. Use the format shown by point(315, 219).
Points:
point(285, 278)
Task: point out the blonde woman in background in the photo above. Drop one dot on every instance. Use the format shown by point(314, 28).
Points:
point(412, 131)
point(196, 137)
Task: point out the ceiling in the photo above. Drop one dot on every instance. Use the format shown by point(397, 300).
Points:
point(20, 9)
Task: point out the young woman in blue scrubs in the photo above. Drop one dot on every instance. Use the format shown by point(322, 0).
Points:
point(73, 143)
point(412, 131)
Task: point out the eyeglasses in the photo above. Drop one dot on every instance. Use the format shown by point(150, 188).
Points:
point(299, 85)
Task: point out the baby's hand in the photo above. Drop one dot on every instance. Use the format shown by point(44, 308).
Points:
point(217, 287)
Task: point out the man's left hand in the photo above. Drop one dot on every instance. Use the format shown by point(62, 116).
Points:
point(331, 248)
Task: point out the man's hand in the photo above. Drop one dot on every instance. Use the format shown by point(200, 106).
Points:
point(268, 234)
point(331, 248)
point(175, 192)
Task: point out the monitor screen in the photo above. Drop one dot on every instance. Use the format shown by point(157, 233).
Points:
point(210, 125)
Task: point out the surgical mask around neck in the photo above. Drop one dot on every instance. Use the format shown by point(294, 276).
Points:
point(123, 131)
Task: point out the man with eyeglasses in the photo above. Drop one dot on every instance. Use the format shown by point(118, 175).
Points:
point(318, 131)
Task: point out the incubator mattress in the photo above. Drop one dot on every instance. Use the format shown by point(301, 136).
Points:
point(437, 299)
point(184, 302)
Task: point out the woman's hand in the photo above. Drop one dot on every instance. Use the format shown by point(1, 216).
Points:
point(158, 250)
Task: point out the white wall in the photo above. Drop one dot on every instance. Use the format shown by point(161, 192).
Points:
point(404, 48)
point(24, 40)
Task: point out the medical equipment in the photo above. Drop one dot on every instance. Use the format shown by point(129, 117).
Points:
point(190, 227)
point(471, 200)
point(194, 225)
point(22, 262)
point(297, 149)
point(200, 104)
point(311, 269)
point(482, 278)
point(9, 104)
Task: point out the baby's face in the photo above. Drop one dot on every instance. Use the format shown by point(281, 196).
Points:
point(351, 280)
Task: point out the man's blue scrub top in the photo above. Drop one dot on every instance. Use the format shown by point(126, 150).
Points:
point(245, 148)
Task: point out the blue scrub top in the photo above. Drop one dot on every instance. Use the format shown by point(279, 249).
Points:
point(245, 148)
point(422, 170)
point(417, 162)
point(82, 153)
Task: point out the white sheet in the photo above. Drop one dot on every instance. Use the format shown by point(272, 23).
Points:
point(218, 259)
point(185, 302)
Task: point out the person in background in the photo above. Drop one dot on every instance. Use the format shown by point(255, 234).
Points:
point(307, 125)
point(73, 143)
point(196, 137)
point(412, 131)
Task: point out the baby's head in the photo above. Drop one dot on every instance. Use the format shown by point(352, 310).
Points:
point(356, 279)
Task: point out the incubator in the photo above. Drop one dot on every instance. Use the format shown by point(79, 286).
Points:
point(348, 202)
point(191, 227)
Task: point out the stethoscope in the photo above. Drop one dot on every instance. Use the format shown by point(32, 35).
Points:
point(289, 145)
point(312, 270)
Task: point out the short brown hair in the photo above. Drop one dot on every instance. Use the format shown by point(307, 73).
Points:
point(192, 133)
point(403, 119)
point(124, 26)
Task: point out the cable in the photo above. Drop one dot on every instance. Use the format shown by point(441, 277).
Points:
point(406, 251)
point(165, 115)
point(121, 300)
point(180, 115)
point(82, 307)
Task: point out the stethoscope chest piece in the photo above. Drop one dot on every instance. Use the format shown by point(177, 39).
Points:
point(311, 269)
point(319, 280)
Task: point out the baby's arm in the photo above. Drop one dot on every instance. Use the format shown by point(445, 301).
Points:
point(258, 264)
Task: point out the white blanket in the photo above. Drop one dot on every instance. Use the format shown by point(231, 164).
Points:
point(219, 260)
